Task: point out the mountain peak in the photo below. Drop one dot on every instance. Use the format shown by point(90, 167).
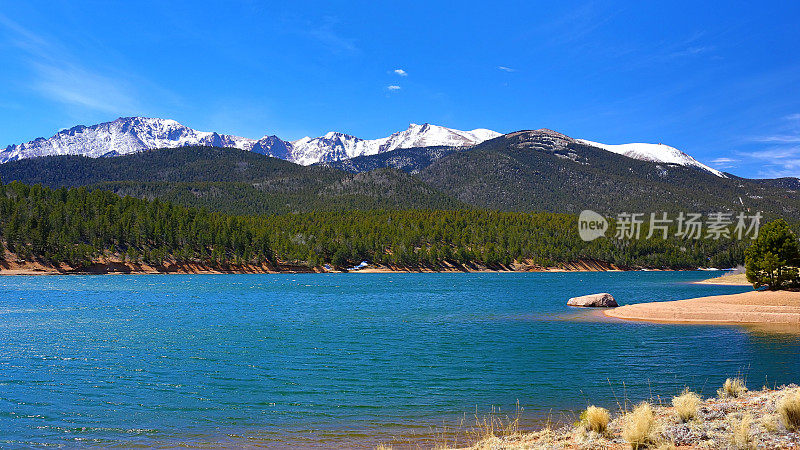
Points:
point(659, 153)
point(122, 136)
point(335, 146)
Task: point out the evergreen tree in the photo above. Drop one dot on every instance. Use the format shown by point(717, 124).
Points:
point(773, 259)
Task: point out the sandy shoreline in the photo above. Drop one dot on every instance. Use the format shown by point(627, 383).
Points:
point(757, 307)
point(738, 279)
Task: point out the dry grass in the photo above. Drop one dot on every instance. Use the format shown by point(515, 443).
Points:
point(732, 388)
point(789, 410)
point(383, 447)
point(741, 438)
point(595, 419)
point(638, 427)
point(686, 405)
point(495, 425)
point(770, 423)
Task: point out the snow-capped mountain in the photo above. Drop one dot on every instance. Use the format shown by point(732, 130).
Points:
point(120, 137)
point(337, 146)
point(135, 134)
point(658, 153)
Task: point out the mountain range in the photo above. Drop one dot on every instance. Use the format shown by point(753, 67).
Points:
point(128, 135)
point(525, 171)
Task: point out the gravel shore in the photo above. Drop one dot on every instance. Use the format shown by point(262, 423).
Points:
point(751, 420)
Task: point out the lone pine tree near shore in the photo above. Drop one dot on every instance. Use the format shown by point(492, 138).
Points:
point(773, 259)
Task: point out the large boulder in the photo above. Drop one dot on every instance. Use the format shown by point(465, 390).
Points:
point(603, 300)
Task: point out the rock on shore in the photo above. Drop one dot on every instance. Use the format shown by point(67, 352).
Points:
point(603, 300)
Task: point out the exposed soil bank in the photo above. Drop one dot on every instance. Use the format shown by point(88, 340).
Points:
point(11, 265)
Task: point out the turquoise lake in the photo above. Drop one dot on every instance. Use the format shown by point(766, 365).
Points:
point(343, 360)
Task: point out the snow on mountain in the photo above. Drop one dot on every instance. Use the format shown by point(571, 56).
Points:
point(428, 135)
point(120, 137)
point(273, 146)
point(135, 134)
point(333, 146)
point(658, 153)
point(336, 146)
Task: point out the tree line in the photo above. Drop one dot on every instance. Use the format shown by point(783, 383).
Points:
point(78, 225)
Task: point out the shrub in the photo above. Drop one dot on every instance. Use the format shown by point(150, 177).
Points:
point(638, 428)
point(595, 419)
point(733, 388)
point(686, 405)
point(789, 409)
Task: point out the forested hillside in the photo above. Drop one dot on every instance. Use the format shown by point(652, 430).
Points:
point(79, 226)
point(527, 171)
point(545, 171)
point(509, 201)
point(232, 181)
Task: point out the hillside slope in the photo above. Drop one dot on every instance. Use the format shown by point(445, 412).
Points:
point(232, 181)
point(542, 170)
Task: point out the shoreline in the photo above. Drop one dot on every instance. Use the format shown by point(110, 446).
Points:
point(11, 266)
point(746, 419)
point(747, 308)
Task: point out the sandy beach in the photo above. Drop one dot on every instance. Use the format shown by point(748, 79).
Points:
point(757, 307)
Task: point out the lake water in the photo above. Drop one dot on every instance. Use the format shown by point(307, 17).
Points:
point(343, 359)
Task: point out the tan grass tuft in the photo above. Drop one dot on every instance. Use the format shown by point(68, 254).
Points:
point(741, 438)
point(686, 405)
point(732, 388)
point(770, 423)
point(383, 446)
point(638, 427)
point(789, 410)
point(595, 419)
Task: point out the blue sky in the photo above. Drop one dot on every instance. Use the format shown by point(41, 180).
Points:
point(719, 80)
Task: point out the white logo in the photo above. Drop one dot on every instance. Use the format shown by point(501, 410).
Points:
point(591, 225)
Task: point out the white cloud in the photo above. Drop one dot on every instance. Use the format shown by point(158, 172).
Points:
point(781, 138)
point(393, 87)
point(333, 41)
point(400, 72)
point(778, 154)
point(73, 85)
point(793, 117)
point(724, 163)
point(57, 75)
point(691, 51)
point(506, 69)
point(774, 162)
